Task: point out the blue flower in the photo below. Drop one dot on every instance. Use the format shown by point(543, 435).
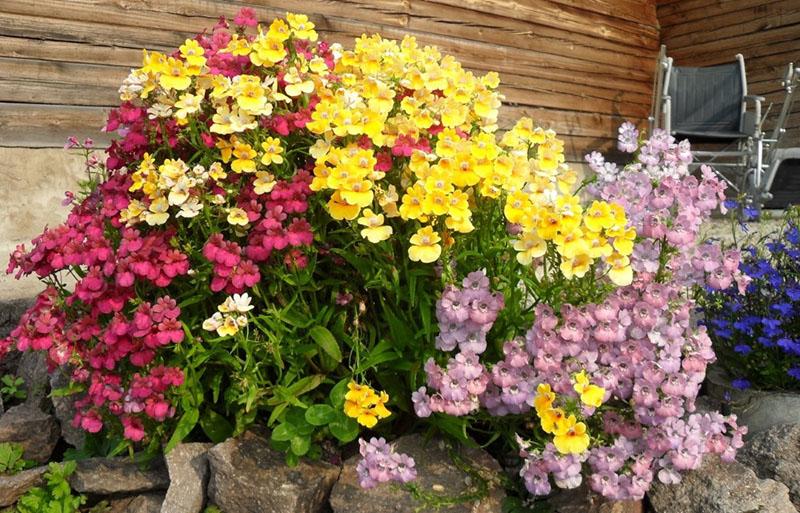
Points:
point(742, 349)
point(793, 292)
point(793, 235)
point(794, 372)
point(772, 327)
point(740, 384)
point(775, 247)
point(730, 204)
point(785, 309)
point(749, 213)
point(789, 345)
point(766, 341)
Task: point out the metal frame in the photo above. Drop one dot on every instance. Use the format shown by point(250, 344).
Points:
point(754, 158)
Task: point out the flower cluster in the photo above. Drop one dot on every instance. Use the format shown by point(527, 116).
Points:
point(757, 334)
point(365, 405)
point(230, 316)
point(612, 382)
point(381, 464)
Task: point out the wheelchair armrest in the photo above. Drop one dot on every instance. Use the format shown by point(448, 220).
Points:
point(755, 98)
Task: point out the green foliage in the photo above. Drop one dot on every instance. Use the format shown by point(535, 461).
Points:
point(12, 388)
point(55, 496)
point(11, 460)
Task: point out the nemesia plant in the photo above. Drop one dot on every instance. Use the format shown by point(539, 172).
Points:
point(292, 232)
point(756, 334)
point(601, 389)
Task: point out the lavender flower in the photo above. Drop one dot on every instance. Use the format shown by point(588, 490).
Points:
point(381, 464)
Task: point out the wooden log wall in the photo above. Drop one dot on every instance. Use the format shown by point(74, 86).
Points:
point(578, 66)
point(765, 32)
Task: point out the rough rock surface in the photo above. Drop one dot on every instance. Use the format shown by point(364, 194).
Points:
point(719, 487)
point(436, 474)
point(13, 487)
point(110, 476)
point(775, 454)
point(37, 431)
point(10, 312)
point(582, 500)
point(247, 476)
point(188, 477)
point(33, 371)
point(64, 410)
point(147, 503)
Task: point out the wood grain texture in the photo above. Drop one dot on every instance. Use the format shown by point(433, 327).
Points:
point(578, 66)
point(766, 33)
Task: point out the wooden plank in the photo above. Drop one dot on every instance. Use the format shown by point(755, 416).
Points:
point(736, 30)
point(643, 12)
point(109, 77)
point(56, 93)
point(21, 47)
point(97, 33)
point(546, 12)
point(714, 20)
point(734, 44)
point(48, 126)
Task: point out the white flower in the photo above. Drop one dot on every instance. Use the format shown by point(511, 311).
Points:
point(214, 322)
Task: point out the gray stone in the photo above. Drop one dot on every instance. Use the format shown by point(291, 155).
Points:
point(775, 454)
point(188, 477)
point(110, 476)
point(64, 409)
point(10, 312)
point(13, 487)
point(436, 474)
point(147, 503)
point(33, 371)
point(29, 426)
point(247, 476)
point(718, 487)
point(756, 409)
point(583, 500)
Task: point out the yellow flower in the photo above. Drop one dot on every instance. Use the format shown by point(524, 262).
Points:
point(238, 217)
point(578, 265)
point(591, 395)
point(157, 211)
point(425, 246)
point(267, 50)
point(244, 154)
point(375, 230)
point(411, 206)
point(272, 151)
point(192, 53)
point(365, 405)
point(228, 327)
point(250, 96)
point(551, 419)
point(174, 75)
point(188, 104)
point(623, 240)
point(620, 273)
point(598, 217)
point(301, 27)
point(528, 247)
point(278, 30)
point(264, 182)
point(341, 209)
point(544, 398)
point(295, 85)
point(216, 171)
point(574, 440)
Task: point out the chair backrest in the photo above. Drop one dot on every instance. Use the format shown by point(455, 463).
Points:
point(709, 99)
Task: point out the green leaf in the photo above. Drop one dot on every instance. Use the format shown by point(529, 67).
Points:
point(320, 414)
point(326, 341)
point(300, 445)
point(216, 427)
point(344, 428)
point(381, 353)
point(283, 432)
point(183, 428)
point(338, 392)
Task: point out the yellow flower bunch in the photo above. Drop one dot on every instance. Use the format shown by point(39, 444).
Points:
point(172, 183)
point(230, 316)
point(365, 405)
point(569, 434)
